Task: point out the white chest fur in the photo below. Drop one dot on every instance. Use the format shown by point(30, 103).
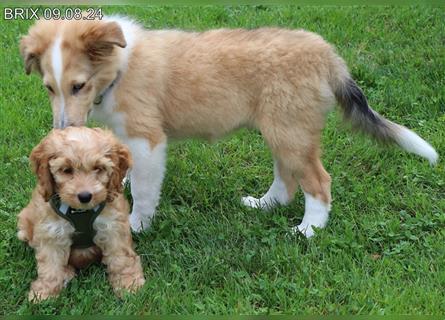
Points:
point(106, 112)
point(148, 160)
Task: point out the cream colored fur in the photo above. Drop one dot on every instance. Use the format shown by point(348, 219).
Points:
point(97, 163)
point(175, 84)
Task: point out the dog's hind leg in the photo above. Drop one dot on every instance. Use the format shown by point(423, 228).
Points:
point(281, 192)
point(297, 155)
point(304, 165)
point(316, 185)
point(291, 119)
point(146, 177)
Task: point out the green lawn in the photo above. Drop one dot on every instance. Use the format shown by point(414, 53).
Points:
point(383, 251)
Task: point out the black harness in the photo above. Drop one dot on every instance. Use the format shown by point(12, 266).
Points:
point(81, 219)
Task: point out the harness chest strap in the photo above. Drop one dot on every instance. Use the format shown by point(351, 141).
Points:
point(82, 221)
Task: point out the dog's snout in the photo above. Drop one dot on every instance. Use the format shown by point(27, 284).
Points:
point(84, 197)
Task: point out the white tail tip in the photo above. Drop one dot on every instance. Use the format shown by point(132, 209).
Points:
point(411, 142)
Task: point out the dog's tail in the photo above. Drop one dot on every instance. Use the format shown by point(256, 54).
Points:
point(357, 111)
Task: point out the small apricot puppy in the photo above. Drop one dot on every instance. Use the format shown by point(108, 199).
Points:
point(78, 213)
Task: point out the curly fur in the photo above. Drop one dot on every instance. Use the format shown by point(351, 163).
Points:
point(68, 162)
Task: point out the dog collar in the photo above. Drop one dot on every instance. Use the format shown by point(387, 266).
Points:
point(100, 97)
point(81, 219)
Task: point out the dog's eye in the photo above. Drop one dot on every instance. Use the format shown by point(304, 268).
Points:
point(68, 170)
point(77, 87)
point(99, 169)
point(50, 89)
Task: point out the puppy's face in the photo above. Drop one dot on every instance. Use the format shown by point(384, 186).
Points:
point(84, 166)
point(77, 61)
point(81, 183)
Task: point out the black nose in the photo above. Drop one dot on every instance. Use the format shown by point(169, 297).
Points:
point(84, 197)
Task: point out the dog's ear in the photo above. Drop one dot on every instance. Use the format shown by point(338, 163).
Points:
point(30, 53)
point(101, 38)
point(122, 160)
point(39, 159)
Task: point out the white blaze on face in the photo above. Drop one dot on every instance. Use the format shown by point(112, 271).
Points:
point(57, 64)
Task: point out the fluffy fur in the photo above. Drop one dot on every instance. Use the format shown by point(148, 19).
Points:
point(68, 162)
point(175, 84)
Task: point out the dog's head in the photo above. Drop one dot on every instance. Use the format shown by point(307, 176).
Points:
point(84, 166)
point(77, 60)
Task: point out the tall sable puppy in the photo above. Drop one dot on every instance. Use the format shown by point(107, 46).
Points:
point(80, 172)
point(151, 85)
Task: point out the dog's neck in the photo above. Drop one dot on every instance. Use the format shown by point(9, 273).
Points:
point(98, 100)
point(81, 219)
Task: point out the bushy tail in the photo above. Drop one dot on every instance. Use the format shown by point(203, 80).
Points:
point(357, 111)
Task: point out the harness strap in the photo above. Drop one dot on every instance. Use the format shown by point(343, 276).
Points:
point(81, 219)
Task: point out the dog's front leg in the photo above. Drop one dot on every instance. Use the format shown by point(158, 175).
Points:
point(123, 264)
point(146, 180)
point(53, 271)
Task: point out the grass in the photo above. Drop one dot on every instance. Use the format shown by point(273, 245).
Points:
point(383, 251)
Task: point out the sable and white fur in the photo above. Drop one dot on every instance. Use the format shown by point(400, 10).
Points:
point(176, 84)
point(69, 162)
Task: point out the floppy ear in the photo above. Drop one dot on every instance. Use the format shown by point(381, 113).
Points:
point(101, 38)
point(39, 158)
point(30, 54)
point(122, 160)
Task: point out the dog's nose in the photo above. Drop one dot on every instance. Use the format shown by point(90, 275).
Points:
point(84, 197)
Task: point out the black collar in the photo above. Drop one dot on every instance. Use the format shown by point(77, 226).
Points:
point(81, 219)
point(98, 100)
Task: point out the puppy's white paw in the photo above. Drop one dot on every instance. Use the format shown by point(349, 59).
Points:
point(305, 229)
point(138, 224)
point(250, 201)
point(264, 203)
